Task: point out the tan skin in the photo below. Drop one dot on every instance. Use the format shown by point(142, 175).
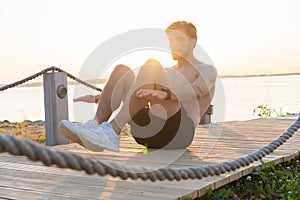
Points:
point(183, 79)
point(87, 99)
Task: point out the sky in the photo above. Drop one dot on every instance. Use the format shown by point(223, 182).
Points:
point(240, 37)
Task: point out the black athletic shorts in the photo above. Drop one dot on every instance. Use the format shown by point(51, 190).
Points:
point(177, 132)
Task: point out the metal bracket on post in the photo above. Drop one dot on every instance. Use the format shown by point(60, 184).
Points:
point(56, 106)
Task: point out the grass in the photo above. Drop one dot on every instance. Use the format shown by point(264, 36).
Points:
point(35, 131)
point(280, 181)
point(25, 130)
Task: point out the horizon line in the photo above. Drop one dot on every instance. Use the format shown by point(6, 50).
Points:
point(99, 81)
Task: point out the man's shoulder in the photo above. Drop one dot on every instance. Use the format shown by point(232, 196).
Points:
point(199, 63)
point(204, 67)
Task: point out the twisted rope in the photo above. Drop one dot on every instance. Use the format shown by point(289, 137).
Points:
point(65, 159)
point(44, 72)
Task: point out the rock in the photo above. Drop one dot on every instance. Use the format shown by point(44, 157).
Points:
point(27, 121)
point(39, 122)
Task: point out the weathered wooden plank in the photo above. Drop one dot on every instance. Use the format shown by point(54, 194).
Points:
point(78, 190)
point(20, 194)
point(90, 186)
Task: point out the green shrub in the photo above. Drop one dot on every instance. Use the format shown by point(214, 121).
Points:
point(280, 181)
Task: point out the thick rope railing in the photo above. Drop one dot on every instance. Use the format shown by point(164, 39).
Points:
point(17, 83)
point(65, 159)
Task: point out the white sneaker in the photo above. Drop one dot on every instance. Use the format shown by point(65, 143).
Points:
point(70, 130)
point(102, 137)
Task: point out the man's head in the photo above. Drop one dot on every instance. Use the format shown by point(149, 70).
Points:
point(183, 38)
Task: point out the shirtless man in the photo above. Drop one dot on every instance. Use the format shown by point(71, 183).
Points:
point(162, 105)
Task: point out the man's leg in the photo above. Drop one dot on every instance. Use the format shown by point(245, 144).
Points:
point(107, 134)
point(114, 92)
point(150, 76)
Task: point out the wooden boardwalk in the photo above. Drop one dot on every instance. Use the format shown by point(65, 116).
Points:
point(215, 143)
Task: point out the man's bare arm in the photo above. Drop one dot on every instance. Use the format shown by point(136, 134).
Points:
point(88, 99)
point(199, 88)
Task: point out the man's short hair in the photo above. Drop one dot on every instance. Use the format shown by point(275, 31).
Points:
point(189, 29)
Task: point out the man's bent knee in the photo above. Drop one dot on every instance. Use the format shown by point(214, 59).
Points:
point(151, 72)
point(152, 61)
point(151, 67)
point(122, 70)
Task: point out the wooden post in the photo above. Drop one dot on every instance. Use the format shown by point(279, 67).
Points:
point(206, 118)
point(56, 106)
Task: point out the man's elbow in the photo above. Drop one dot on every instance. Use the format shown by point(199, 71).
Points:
point(214, 75)
point(198, 92)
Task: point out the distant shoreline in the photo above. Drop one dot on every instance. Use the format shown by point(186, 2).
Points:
point(38, 84)
point(258, 75)
point(103, 81)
